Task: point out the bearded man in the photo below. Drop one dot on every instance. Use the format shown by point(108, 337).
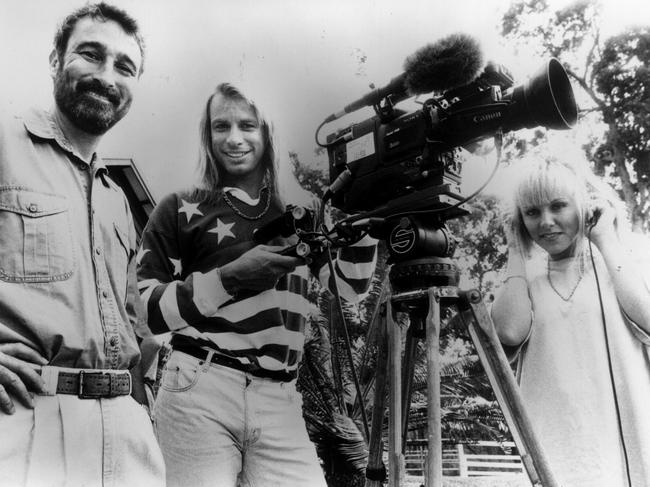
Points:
point(67, 288)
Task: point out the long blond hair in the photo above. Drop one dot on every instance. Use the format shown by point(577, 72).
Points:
point(279, 175)
point(538, 180)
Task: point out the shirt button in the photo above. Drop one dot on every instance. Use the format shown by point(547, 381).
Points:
point(113, 341)
point(98, 251)
point(33, 208)
point(105, 293)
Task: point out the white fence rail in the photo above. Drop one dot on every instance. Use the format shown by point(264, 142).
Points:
point(457, 462)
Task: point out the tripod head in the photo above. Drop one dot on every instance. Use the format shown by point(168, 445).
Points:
point(421, 253)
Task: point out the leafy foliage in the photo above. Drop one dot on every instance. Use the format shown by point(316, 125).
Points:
point(614, 88)
point(623, 77)
point(481, 251)
point(312, 178)
point(339, 443)
point(470, 411)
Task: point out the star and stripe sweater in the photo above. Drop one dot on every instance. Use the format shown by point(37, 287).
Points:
point(188, 238)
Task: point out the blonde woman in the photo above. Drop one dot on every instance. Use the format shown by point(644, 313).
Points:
point(584, 368)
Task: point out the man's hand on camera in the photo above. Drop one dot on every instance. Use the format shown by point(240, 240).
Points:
point(19, 375)
point(258, 269)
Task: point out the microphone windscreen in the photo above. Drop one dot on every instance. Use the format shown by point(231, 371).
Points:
point(452, 61)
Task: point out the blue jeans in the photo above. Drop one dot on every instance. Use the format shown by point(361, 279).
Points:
point(222, 427)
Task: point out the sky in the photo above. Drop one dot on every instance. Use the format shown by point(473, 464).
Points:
point(303, 58)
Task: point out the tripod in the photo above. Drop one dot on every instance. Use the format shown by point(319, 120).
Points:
point(434, 288)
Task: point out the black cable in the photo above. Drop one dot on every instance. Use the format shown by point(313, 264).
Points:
point(318, 143)
point(609, 360)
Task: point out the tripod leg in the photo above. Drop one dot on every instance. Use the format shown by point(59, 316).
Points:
point(433, 476)
point(483, 334)
point(395, 456)
point(410, 351)
point(376, 472)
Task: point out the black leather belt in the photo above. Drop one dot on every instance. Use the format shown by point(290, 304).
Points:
point(182, 345)
point(94, 384)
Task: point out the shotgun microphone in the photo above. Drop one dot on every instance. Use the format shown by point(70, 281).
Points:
point(452, 61)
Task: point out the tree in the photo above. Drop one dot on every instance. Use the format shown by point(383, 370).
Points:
point(482, 248)
point(614, 88)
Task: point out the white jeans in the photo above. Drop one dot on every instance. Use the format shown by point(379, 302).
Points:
point(67, 441)
point(222, 427)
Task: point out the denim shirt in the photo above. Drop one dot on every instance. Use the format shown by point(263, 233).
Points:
point(66, 244)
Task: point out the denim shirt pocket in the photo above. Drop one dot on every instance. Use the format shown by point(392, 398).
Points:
point(35, 236)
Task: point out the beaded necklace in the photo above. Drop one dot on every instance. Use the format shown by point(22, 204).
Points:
point(550, 281)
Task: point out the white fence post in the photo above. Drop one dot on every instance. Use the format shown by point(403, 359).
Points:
point(462, 461)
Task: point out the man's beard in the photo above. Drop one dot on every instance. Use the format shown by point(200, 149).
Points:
point(92, 115)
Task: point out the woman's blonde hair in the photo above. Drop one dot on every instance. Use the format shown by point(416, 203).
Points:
point(540, 179)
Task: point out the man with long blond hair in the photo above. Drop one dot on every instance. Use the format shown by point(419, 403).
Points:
point(228, 412)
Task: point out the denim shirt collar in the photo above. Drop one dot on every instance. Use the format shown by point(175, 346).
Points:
point(41, 123)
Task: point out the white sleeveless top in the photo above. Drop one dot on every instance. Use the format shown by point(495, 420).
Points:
point(565, 378)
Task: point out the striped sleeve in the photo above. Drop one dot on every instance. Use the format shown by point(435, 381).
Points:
point(172, 301)
point(353, 268)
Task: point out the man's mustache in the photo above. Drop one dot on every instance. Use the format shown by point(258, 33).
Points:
point(100, 88)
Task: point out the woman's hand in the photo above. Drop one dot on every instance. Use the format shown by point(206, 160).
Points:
point(601, 221)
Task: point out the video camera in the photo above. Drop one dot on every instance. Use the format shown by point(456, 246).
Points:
point(397, 162)
point(401, 171)
point(398, 173)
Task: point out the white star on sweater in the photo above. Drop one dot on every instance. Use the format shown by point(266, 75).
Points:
point(190, 209)
point(222, 230)
point(178, 268)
